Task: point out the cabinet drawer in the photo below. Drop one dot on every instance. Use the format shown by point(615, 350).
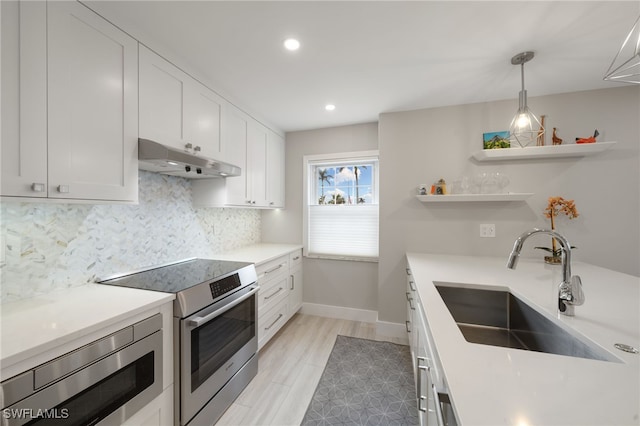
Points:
point(272, 292)
point(273, 268)
point(271, 322)
point(295, 259)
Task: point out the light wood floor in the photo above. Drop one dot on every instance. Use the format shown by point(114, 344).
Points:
point(290, 366)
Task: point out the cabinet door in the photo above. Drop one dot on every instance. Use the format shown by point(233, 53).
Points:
point(203, 111)
point(162, 90)
point(92, 106)
point(295, 291)
point(275, 169)
point(158, 412)
point(256, 163)
point(23, 86)
point(235, 135)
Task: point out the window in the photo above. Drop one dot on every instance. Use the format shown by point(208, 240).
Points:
point(341, 206)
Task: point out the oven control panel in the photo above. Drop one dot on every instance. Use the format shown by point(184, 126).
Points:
point(225, 285)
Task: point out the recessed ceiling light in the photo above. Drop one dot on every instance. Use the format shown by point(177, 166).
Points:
point(291, 44)
point(330, 107)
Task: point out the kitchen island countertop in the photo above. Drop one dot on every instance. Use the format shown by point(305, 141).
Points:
point(500, 386)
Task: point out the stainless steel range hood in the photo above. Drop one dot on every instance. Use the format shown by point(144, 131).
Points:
point(155, 157)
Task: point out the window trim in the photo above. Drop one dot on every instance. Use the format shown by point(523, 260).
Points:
point(308, 161)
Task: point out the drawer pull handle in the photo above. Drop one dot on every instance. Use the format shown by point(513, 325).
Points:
point(410, 300)
point(273, 323)
point(293, 282)
point(436, 397)
point(408, 271)
point(296, 258)
point(412, 285)
point(275, 268)
point(421, 398)
point(407, 325)
point(273, 294)
point(37, 187)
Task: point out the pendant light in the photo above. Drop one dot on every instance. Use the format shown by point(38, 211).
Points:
point(525, 126)
point(626, 64)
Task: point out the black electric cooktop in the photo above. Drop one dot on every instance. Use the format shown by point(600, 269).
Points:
point(178, 276)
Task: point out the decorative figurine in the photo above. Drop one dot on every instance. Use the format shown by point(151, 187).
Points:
point(591, 139)
point(439, 188)
point(556, 140)
point(540, 137)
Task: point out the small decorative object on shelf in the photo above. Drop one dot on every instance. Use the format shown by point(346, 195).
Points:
point(439, 188)
point(540, 137)
point(555, 139)
point(556, 206)
point(496, 140)
point(591, 139)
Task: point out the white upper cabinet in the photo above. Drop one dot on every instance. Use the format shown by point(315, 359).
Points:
point(256, 163)
point(203, 116)
point(259, 152)
point(275, 173)
point(24, 99)
point(75, 136)
point(161, 95)
point(235, 125)
point(92, 106)
point(177, 110)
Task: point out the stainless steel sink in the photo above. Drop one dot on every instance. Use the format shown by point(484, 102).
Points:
point(498, 318)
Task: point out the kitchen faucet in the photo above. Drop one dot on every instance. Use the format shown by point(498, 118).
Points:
point(570, 292)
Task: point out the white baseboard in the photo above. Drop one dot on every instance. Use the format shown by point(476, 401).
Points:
point(392, 329)
point(383, 328)
point(339, 312)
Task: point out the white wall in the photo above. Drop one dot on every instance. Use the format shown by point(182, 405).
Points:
point(425, 145)
point(328, 282)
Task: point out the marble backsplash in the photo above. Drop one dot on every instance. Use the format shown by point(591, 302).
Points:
point(47, 247)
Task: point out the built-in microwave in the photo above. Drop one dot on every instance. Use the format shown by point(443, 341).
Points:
point(102, 383)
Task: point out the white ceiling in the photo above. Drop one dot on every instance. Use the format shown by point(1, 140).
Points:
point(368, 57)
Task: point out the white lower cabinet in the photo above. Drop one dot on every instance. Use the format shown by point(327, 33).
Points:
point(158, 412)
point(271, 322)
point(280, 295)
point(295, 281)
point(434, 407)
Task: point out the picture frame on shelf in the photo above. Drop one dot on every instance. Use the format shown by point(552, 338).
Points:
point(496, 140)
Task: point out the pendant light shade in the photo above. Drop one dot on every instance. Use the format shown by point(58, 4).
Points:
point(626, 64)
point(525, 126)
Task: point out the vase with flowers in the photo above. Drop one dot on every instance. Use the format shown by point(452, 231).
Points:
point(556, 206)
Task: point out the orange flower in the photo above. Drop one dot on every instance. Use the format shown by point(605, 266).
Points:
point(559, 205)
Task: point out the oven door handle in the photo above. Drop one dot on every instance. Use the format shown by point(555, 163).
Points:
point(198, 321)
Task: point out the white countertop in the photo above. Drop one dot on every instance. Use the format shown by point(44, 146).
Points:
point(37, 329)
point(500, 386)
point(34, 327)
point(258, 253)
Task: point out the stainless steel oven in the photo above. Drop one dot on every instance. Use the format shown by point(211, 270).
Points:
point(216, 344)
point(215, 332)
point(102, 383)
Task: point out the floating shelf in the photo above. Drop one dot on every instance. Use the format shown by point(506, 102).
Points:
point(510, 196)
point(548, 151)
